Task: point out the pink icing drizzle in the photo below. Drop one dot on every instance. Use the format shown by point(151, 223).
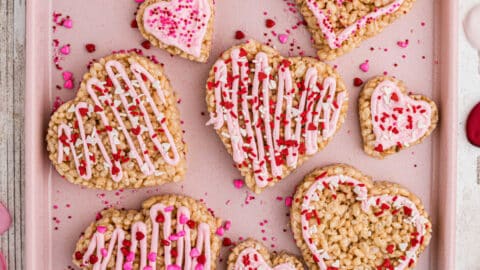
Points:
point(397, 119)
point(335, 40)
point(256, 261)
point(259, 143)
point(180, 23)
point(148, 257)
point(101, 98)
point(332, 182)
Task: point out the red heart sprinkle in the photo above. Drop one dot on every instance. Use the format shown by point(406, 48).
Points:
point(239, 35)
point(357, 82)
point(270, 23)
point(473, 126)
point(146, 44)
point(90, 47)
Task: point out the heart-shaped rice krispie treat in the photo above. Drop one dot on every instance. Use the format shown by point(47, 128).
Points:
point(122, 130)
point(251, 254)
point(170, 232)
point(182, 27)
point(338, 26)
point(272, 113)
point(343, 220)
point(391, 119)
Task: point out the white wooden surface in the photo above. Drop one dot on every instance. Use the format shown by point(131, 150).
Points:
point(12, 62)
point(12, 73)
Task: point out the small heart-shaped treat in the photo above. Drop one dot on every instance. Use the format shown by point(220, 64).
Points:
point(338, 26)
point(170, 232)
point(122, 130)
point(251, 254)
point(272, 113)
point(182, 27)
point(391, 119)
point(342, 220)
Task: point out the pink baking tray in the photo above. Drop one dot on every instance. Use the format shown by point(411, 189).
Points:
point(57, 212)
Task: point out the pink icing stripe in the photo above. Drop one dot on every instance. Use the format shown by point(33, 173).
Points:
point(332, 182)
point(335, 40)
point(256, 261)
point(94, 88)
point(186, 259)
point(398, 120)
point(318, 112)
point(179, 23)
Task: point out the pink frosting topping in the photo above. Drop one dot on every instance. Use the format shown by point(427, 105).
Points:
point(135, 111)
point(398, 120)
point(335, 40)
point(189, 257)
point(250, 258)
point(179, 23)
point(310, 220)
point(258, 142)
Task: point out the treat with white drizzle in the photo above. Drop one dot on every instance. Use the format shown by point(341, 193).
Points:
point(122, 130)
point(251, 254)
point(339, 26)
point(343, 220)
point(170, 232)
point(271, 112)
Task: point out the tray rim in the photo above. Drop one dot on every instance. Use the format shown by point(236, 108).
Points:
point(37, 228)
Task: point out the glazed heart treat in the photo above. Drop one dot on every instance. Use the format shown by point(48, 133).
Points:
point(338, 26)
point(272, 113)
point(170, 232)
point(122, 130)
point(391, 119)
point(342, 220)
point(182, 27)
point(251, 254)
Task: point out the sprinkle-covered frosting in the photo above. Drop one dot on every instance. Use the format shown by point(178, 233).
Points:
point(397, 119)
point(334, 39)
point(250, 258)
point(397, 205)
point(186, 256)
point(127, 99)
point(269, 133)
point(179, 23)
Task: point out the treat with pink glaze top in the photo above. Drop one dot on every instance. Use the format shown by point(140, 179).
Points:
point(343, 220)
point(272, 113)
point(170, 232)
point(251, 254)
point(182, 27)
point(122, 130)
point(391, 119)
point(339, 26)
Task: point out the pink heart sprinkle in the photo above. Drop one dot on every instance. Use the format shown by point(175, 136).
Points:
point(65, 50)
point(67, 75)
point(238, 183)
point(173, 267)
point(5, 219)
point(228, 225)
point(130, 257)
point(220, 231)
point(365, 66)
point(104, 252)
point(68, 23)
point(101, 229)
point(152, 256)
point(148, 267)
point(288, 201)
point(127, 266)
point(194, 253)
point(283, 38)
point(168, 208)
point(199, 267)
point(139, 1)
point(183, 219)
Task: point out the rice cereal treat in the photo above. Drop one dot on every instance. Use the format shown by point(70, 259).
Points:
point(272, 113)
point(343, 220)
point(338, 26)
point(391, 119)
point(122, 130)
point(251, 254)
point(181, 27)
point(170, 232)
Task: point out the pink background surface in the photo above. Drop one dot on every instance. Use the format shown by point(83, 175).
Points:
point(57, 211)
